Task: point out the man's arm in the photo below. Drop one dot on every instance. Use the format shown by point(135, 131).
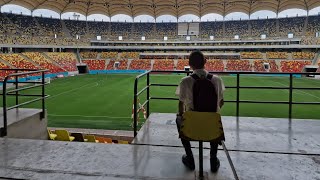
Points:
point(181, 108)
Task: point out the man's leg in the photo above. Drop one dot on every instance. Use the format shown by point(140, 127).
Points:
point(214, 161)
point(188, 158)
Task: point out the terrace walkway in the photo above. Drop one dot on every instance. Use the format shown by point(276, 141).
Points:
point(260, 149)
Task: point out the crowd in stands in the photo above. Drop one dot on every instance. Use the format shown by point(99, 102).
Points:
point(294, 66)
point(166, 29)
point(3, 74)
point(238, 65)
point(181, 64)
point(121, 29)
point(251, 55)
point(77, 28)
point(140, 65)
point(51, 26)
point(143, 29)
point(108, 55)
point(277, 55)
point(6, 27)
point(130, 55)
point(98, 29)
point(259, 66)
point(310, 41)
point(303, 55)
point(163, 65)
point(88, 55)
point(67, 61)
point(211, 29)
point(95, 64)
point(26, 24)
point(215, 65)
point(43, 62)
point(233, 28)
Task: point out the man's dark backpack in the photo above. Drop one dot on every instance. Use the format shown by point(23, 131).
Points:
point(205, 98)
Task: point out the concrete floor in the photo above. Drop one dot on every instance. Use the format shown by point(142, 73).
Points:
point(288, 158)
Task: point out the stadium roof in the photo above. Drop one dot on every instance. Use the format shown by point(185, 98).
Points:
point(156, 8)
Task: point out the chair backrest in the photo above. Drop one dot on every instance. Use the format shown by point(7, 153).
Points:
point(78, 137)
point(123, 142)
point(100, 139)
point(62, 135)
point(91, 138)
point(51, 135)
point(202, 126)
point(108, 140)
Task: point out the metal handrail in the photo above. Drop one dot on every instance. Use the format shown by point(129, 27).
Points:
point(15, 92)
point(290, 87)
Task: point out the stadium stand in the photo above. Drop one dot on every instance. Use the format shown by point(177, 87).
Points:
point(6, 27)
point(130, 55)
point(51, 26)
point(43, 62)
point(111, 65)
point(259, 65)
point(26, 24)
point(123, 64)
point(215, 65)
point(95, 64)
point(166, 29)
point(208, 29)
point(121, 29)
point(182, 63)
point(67, 61)
point(76, 27)
point(143, 29)
point(313, 26)
point(251, 55)
point(140, 65)
point(89, 55)
point(233, 28)
point(238, 65)
point(293, 25)
point(303, 55)
point(18, 61)
point(267, 27)
point(108, 55)
point(3, 74)
point(294, 66)
point(98, 29)
point(163, 65)
point(277, 55)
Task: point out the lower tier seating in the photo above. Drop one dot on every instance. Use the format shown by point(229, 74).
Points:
point(95, 64)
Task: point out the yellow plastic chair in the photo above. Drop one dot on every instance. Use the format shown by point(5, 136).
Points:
point(100, 139)
point(204, 127)
point(123, 142)
point(63, 135)
point(51, 135)
point(91, 138)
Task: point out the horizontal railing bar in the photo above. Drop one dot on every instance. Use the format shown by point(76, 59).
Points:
point(24, 95)
point(27, 82)
point(167, 85)
point(143, 74)
point(264, 102)
point(306, 103)
point(159, 98)
point(142, 90)
point(224, 72)
point(24, 73)
point(26, 88)
point(298, 88)
point(2, 69)
point(145, 103)
point(26, 103)
point(263, 87)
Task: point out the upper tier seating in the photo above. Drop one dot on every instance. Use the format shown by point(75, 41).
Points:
point(95, 64)
point(251, 55)
point(76, 27)
point(259, 65)
point(130, 55)
point(108, 55)
point(121, 29)
point(43, 62)
point(51, 26)
point(89, 55)
point(143, 29)
point(18, 61)
point(233, 28)
point(259, 27)
point(6, 27)
point(238, 65)
point(313, 25)
point(163, 65)
point(293, 25)
point(166, 29)
point(211, 29)
point(98, 29)
point(140, 65)
point(67, 61)
point(277, 55)
point(26, 24)
point(214, 65)
point(294, 66)
point(303, 55)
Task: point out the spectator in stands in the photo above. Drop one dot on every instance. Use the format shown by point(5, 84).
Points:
point(184, 91)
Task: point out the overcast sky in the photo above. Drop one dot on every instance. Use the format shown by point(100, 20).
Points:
point(164, 18)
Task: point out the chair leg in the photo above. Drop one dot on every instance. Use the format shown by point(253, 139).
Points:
point(200, 160)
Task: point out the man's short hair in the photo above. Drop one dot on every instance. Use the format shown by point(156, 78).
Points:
point(197, 60)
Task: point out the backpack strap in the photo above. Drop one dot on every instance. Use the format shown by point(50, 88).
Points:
point(209, 76)
point(195, 77)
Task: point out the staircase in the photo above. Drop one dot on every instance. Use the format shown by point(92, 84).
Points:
point(152, 62)
point(52, 61)
point(6, 63)
point(65, 29)
point(224, 65)
point(30, 60)
point(316, 59)
point(39, 25)
point(278, 62)
point(129, 62)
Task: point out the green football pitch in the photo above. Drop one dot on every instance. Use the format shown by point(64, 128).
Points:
point(105, 101)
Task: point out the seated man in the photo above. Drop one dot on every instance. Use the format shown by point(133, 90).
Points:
point(185, 91)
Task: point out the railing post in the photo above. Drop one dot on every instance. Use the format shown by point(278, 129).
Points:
point(17, 87)
point(148, 95)
point(238, 96)
point(4, 99)
point(201, 160)
point(135, 107)
point(290, 98)
point(43, 96)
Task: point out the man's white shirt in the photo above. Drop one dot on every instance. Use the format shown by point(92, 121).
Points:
point(185, 89)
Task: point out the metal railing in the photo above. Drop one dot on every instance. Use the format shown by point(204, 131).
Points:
point(289, 102)
point(17, 87)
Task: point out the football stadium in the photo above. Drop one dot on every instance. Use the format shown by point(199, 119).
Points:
point(96, 99)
